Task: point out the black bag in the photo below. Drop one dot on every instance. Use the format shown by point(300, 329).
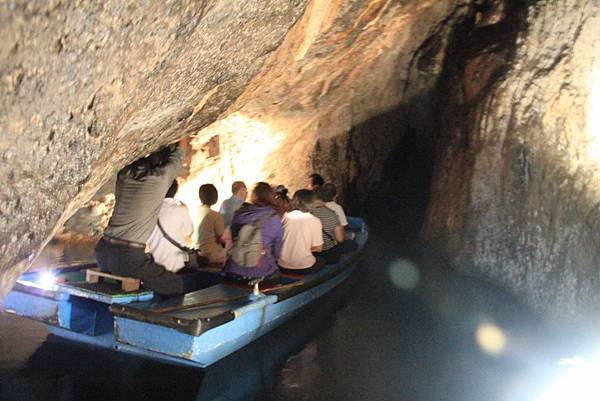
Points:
point(195, 260)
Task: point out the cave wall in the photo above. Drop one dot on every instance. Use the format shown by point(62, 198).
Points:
point(87, 87)
point(515, 193)
point(350, 79)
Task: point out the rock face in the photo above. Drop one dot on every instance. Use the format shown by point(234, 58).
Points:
point(515, 194)
point(348, 82)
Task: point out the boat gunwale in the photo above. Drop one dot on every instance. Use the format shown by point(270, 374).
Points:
point(200, 325)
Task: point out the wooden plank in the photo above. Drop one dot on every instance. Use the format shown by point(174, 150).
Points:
point(127, 283)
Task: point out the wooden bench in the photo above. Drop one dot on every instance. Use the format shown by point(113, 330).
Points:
point(127, 283)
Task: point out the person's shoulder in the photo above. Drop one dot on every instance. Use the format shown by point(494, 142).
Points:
point(180, 204)
point(334, 205)
point(324, 211)
point(273, 216)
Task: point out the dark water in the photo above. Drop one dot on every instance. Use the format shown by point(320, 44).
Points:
point(368, 340)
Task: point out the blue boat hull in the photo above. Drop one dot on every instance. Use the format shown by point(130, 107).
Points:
point(249, 324)
point(195, 330)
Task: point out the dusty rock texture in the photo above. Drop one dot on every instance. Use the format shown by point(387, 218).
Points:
point(348, 82)
point(87, 86)
point(515, 194)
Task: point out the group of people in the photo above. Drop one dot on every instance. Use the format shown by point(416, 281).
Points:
point(147, 235)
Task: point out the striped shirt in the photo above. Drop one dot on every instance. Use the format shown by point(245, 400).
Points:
point(329, 220)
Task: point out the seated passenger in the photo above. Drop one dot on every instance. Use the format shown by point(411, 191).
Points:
point(140, 190)
point(281, 199)
point(174, 220)
point(211, 226)
point(332, 233)
point(256, 235)
point(328, 193)
point(229, 206)
point(334, 243)
point(315, 181)
point(301, 236)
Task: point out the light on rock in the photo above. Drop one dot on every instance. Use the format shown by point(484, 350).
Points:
point(593, 126)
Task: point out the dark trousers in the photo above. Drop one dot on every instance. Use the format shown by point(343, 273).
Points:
point(333, 255)
point(319, 264)
point(128, 261)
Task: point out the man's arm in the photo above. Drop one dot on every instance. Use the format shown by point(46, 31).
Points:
point(338, 233)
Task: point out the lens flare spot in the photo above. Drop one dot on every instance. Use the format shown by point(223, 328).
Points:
point(491, 338)
point(405, 274)
point(47, 280)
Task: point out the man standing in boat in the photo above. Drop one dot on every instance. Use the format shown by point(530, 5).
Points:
point(140, 190)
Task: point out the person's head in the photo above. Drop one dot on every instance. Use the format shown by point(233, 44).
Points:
point(172, 190)
point(281, 192)
point(262, 195)
point(327, 192)
point(239, 189)
point(303, 200)
point(208, 194)
point(150, 164)
point(315, 181)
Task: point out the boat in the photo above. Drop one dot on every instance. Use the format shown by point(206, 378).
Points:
point(197, 329)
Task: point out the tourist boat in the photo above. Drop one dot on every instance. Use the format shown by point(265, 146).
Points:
point(197, 329)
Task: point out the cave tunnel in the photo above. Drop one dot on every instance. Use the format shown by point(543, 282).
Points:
point(466, 133)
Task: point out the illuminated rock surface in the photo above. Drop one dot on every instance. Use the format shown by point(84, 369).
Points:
point(319, 85)
point(516, 187)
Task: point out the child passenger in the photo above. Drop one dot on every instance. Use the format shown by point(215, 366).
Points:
point(210, 230)
point(301, 236)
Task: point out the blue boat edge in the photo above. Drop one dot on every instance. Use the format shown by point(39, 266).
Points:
point(92, 321)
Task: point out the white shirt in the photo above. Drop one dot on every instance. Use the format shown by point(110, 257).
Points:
point(301, 231)
point(176, 221)
point(339, 211)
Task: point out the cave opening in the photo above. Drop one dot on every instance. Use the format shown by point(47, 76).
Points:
point(395, 202)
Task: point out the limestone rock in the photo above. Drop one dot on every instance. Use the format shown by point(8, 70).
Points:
point(515, 192)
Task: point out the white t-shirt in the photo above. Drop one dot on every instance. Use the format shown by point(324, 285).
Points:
point(339, 210)
point(176, 221)
point(301, 231)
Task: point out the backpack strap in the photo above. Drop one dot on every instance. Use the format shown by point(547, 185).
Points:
point(169, 238)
